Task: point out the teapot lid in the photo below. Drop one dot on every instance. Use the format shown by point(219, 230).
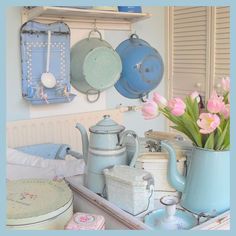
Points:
point(106, 126)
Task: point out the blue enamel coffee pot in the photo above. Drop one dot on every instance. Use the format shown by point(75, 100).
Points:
point(206, 188)
point(105, 148)
point(142, 68)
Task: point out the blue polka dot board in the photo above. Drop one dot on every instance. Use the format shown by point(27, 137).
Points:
point(45, 63)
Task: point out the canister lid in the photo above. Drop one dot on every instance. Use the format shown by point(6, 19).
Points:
point(35, 200)
point(106, 126)
point(128, 175)
point(85, 221)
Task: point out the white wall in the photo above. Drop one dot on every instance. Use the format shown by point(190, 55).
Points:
point(16, 107)
point(151, 30)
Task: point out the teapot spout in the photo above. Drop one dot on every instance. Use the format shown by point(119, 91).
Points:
point(85, 142)
point(175, 179)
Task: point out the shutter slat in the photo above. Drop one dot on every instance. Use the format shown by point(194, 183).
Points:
point(189, 52)
point(223, 20)
point(182, 10)
point(192, 34)
point(190, 15)
point(223, 72)
point(222, 51)
point(191, 61)
point(190, 20)
point(180, 75)
point(188, 43)
point(223, 60)
point(222, 41)
point(190, 66)
point(191, 29)
point(198, 57)
point(181, 25)
point(220, 10)
point(224, 66)
point(189, 70)
point(223, 30)
point(223, 46)
point(190, 47)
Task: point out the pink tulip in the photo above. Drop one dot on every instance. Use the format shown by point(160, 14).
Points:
point(195, 95)
point(150, 110)
point(177, 106)
point(208, 122)
point(225, 84)
point(215, 104)
point(160, 100)
point(226, 111)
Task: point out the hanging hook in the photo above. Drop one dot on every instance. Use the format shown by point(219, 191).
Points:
point(95, 29)
point(95, 25)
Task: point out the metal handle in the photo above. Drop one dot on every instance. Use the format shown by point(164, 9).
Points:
point(134, 35)
point(48, 50)
point(135, 136)
point(96, 31)
point(88, 93)
point(144, 98)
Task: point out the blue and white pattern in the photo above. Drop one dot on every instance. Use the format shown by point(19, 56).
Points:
point(34, 43)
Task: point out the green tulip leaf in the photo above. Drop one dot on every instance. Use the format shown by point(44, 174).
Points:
point(210, 142)
point(223, 137)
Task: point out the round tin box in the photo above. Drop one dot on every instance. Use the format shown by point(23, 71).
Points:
point(38, 204)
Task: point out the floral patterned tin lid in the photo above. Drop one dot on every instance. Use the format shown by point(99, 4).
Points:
point(35, 200)
point(85, 221)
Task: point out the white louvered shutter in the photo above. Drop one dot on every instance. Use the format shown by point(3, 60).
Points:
point(222, 44)
point(198, 49)
point(189, 37)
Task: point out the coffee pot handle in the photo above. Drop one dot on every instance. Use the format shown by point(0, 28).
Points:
point(135, 136)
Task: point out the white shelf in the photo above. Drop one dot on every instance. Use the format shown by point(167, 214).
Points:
point(85, 17)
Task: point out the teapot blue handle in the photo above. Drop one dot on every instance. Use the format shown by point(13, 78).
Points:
point(136, 153)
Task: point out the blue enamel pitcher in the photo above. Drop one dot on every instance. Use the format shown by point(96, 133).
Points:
point(206, 187)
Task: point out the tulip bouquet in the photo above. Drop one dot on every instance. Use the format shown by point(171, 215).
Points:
point(207, 127)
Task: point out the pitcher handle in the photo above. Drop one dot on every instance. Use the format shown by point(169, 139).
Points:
point(135, 136)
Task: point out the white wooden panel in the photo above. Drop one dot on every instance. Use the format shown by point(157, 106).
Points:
point(222, 43)
point(57, 129)
point(189, 39)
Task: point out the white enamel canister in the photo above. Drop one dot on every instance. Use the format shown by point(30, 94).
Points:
point(156, 163)
point(130, 189)
point(34, 204)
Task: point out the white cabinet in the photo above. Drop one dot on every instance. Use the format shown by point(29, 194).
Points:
point(198, 50)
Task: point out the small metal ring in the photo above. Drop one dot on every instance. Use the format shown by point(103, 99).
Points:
point(146, 98)
point(169, 204)
point(96, 31)
point(132, 36)
point(87, 95)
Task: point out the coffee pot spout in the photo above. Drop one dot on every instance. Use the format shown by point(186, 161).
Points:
point(175, 179)
point(85, 142)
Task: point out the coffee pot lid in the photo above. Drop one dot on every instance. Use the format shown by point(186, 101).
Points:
point(106, 126)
